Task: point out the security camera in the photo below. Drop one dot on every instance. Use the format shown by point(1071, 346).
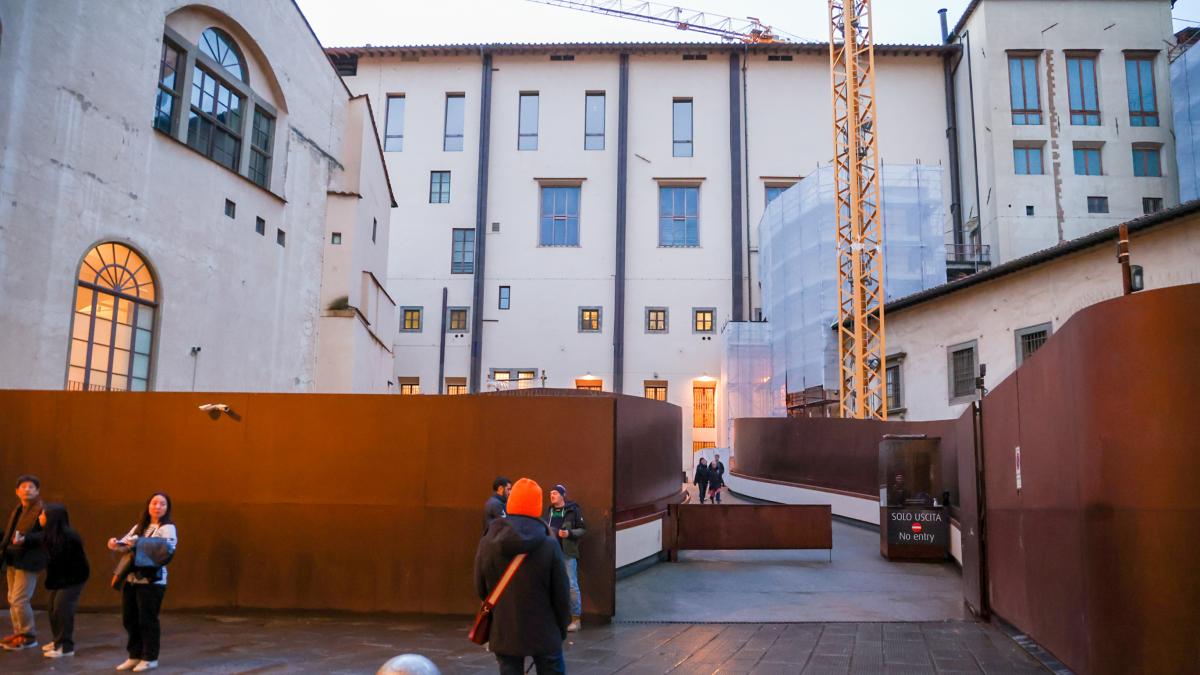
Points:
point(209, 407)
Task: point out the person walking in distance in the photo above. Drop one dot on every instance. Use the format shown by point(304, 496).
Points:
point(23, 556)
point(565, 519)
point(700, 479)
point(66, 571)
point(716, 478)
point(494, 507)
point(142, 595)
point(531, 616)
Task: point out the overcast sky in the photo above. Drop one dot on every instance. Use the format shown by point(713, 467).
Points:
point(390, 22)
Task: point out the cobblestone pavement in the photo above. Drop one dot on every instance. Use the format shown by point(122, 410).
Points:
point(286, 643)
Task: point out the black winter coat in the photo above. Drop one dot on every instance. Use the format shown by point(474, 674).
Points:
point(68, 564)
point(30, 555)
point(532, 615)
point(573, 523)
point(493, 509)
point(701, 475)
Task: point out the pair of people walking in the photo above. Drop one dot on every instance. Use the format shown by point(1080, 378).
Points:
point(709, 478)
point(541, 602)
point(38, 537)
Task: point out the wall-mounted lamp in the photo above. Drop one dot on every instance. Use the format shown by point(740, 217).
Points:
point(1137, 279)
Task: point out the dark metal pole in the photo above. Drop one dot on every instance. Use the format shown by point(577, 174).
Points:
point(622, 180)
point(442, 342)
point(481, 197)
point(952, 140)
point(735, 187)
point(985, 607)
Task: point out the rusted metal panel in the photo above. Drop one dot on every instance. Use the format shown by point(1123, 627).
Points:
point(751, 526)
point(649, 435)
point(358, 503)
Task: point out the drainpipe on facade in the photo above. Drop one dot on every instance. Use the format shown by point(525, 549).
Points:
point(481, 196)
point(622, 179)
point(952, 141)
point(442, 343)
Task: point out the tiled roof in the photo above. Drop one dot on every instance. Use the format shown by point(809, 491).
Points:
point(368, 51)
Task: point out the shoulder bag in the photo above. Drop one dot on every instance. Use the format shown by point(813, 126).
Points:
point(481, 630)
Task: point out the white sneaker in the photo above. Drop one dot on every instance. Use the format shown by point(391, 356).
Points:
point(56, 653)
point(145, 665)
point(129, 664)
point(48, 646)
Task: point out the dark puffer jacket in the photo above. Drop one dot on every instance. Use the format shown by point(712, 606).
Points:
point(532, 615)
point(572, 522)
point(29, 555)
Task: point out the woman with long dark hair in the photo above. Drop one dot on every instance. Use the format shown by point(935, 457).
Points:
point(66, 572)
point(142, 595)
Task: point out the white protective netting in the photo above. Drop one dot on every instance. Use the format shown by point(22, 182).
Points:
point(1185, 99)
point(797, 349)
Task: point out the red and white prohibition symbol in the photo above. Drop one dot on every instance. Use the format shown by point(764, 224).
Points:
point(916, 528)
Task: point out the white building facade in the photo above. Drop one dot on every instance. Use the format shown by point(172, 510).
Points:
point(169, 181)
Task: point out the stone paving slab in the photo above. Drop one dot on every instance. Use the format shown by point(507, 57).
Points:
point(287, 643)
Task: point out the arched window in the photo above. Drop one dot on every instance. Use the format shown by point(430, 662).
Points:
point(113, 329)
point(221, 48)
point(222, 112)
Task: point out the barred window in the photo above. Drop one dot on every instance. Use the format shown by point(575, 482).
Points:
point(704, 406)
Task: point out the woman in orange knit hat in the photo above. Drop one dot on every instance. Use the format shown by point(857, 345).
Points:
point(530, 619)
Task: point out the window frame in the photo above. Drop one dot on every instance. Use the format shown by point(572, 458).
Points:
point(460, 137)
point(409, 386)
point(1030, 330)
point(973, 345)
point(580, 315)
point(420, 312)
point(463, 266)
point(504, 298)
point(555, 217)
point(666, 321)
point(675, 218)
point(1099, 203)
point(1151, 205)
point(1139, 117)
point(1087, 117)
point(894, 361)
point(450, 319)
point(388, 135)
point(1025, 116)
point(712, 328)
point(1086, 148)
point(656, 385)
point(1145, 149)
point(523, 136)
point(676, 141)
point(1027, 147)
point(436, 187)
point(588, 135)
point(709, 416)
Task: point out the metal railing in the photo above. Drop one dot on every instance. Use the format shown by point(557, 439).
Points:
point(969, 253)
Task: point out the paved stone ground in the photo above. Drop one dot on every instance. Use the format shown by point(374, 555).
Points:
point(282, 643)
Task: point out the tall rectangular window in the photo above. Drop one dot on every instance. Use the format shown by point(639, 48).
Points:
point(1023, 89)
point(678, 216)
point(1087, 160)
point(455, 112)
point(559, 218)
point(462, 258)
point(168, 88)
point(655, 389)
point(261, 134)
point(681, 127)
point(215, 120)
point(893, 389)
point(1097, 204)
point(704, 405)
point(1027, 160)
point(439, 187)
point(527, 123)
point(962, 372)
point(1139, 81)
point(1146, 161)
point(393, 134)
point(593, 121)
point(1081, 86)
point(410, 320)
point(505, 297)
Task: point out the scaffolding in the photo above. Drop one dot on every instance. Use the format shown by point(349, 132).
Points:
point(794, 356)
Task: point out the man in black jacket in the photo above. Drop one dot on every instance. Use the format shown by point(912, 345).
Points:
point(531, 616)
point(566, 522)
point(494, 507)
point(23, 556)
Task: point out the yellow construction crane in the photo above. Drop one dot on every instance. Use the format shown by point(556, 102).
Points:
point(860, 325)
point(859, 218)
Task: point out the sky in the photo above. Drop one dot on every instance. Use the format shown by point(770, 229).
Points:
point(341, 23)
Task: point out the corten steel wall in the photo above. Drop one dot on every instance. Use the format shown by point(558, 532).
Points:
point(361, 503)
point(831, 453)
point(1096, 557)
point(750, 526)
point(649, 434)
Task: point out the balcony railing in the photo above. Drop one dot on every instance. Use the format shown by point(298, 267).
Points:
point(969, 254)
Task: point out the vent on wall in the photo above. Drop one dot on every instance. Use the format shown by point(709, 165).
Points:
point(495, 227)
point(779, 57)
point(562, 57)
point(695, 57)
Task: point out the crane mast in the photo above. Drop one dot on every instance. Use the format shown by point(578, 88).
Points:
point(860, 323)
